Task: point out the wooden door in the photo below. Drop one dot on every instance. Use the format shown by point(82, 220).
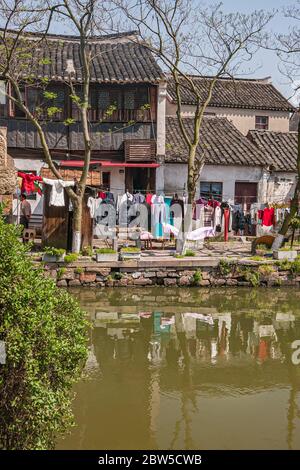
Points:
point(55, 222)
point(245, 194)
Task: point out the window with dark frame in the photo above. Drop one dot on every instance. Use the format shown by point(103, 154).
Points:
point(3, 101)
point(261, 122)
point(211, 190)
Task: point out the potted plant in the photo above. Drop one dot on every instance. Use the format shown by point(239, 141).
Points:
point(54, 255)
point(106, 255)
point(130, 252)
point(285, 253)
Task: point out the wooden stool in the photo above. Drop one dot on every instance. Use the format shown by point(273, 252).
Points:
point(28, 235)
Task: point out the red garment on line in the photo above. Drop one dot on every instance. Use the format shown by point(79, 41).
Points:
point(149, 198)
point(102, 195)
point(28, 180)
point(268, 217)
point(213, 203)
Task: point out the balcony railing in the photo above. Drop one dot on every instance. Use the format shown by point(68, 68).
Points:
point(121, 115)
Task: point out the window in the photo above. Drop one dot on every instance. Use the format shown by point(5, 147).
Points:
point(3, 107)
point(211, 190)
point(262, 122)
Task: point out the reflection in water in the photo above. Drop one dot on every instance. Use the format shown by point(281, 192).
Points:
point(189, 369)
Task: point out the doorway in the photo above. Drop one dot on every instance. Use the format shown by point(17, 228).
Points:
point(140, 179)
point(245, 194)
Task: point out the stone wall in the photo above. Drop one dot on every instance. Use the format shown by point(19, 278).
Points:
point(244, 274)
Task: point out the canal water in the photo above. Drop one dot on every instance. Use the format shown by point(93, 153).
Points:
point(189, 369)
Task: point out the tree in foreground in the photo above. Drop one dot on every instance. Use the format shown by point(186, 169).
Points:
point(191, 40)
point(43, 331)
point(20, 65)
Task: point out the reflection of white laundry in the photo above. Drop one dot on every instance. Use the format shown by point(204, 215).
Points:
point(189, 325)
point(199, 316)
point(154, 352)
point(214, 350)
point(266, 330)
point(227, 319)
point(285, 317)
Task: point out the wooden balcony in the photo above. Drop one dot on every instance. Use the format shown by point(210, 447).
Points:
point(140, 150)
point(121, 115)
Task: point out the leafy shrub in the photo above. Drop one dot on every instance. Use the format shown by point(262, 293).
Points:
point(51, 251)
point(257, 258)
point(266, 270)
point(284, 265)
point(225, 267)
point(197, 278)
point(44, 331)
point(78, 270)
point(295, 266)
point(71, 258)
point(253, 277)
point(61, 272)
point(130, 249)
point(106, 251)
point(189, 253)
point(87, 251)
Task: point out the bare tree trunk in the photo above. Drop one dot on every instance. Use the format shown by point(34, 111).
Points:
point(77, 218)
point(294, 205)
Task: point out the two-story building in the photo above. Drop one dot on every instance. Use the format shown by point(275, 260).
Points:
point(249, 153)
point(126, 115)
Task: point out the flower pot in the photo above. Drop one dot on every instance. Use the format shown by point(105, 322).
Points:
point(53, 259)
point(290, 255)
point(130, 255)
point(106, 257)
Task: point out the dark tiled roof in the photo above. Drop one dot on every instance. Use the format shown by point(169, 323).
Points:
point(221, 143)
point(116, 58)
point(235, 93)
point(281, 147)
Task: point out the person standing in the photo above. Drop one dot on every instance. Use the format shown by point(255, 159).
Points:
point(25, 211)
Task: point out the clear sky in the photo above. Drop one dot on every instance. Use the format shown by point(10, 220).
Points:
point(266, 63)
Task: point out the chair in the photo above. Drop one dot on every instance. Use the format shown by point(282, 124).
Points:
point(29, 235)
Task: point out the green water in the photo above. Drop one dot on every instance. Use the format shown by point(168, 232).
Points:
point(159, 377)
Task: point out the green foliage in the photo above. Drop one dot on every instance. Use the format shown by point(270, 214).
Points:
point(225, 267)
point(197, 278)
point(130, 249)
point(52, 110)
point(69, 121)
point(105, 251)
point(253, 277)
point(87, 251)
point(50, 95)
point(266, 270)
point(57, 252)
point(71, 258)
point(257, 258)
point(190, 253)
point(116, 276)
point(295, 223)
point(61, 272)
point(284, 265)
point(44, 331)
point(78, 270)
point(295, 266)
point(45, 61)
point(177, 256)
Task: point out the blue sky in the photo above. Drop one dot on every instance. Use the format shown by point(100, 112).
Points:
point(265, 63)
